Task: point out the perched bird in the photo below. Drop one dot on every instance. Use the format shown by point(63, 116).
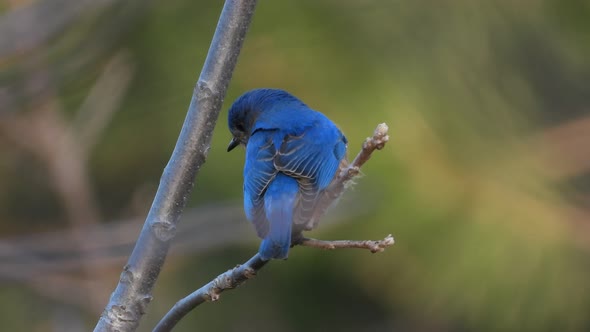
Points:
point(292, 154)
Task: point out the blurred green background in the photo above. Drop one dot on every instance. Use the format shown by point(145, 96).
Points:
point(485, 183)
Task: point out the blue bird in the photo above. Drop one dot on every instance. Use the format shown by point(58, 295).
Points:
point(292, 154)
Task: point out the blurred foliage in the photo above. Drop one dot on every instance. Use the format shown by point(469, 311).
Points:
point(488, 236)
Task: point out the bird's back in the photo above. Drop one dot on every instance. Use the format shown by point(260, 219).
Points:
point(286, 140)
point(310, 149)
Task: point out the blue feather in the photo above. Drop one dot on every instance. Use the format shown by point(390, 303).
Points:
point(279, 202)
point(292, 155)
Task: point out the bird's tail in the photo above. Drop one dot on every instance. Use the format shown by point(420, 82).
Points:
point(279, 202)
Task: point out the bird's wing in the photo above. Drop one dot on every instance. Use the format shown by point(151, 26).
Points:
point(259, 171)
point(312, 157)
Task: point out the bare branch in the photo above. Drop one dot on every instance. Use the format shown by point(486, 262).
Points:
point(377, 142)
point(238, 275)
point(130, 299)
point(336, 188)
point(373, 246)
point(241, 273)
point(211, 291)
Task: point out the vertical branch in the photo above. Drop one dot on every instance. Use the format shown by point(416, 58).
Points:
point(134, 292)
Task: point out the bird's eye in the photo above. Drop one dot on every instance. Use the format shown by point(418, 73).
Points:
point(240, 127)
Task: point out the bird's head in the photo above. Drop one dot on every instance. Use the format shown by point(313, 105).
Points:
point(248, 107)
point(239, 121)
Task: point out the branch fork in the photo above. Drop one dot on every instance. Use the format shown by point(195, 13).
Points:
point(238, 275)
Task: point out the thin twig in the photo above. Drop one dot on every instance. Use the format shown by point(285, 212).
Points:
point(240, 274)
point(237, 276)
point(211, 291)
point(376, 142)
point(336, 188)
point(130, 299)
point(373, 246)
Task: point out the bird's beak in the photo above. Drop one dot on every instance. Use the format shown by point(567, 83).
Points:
point(233, 143)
